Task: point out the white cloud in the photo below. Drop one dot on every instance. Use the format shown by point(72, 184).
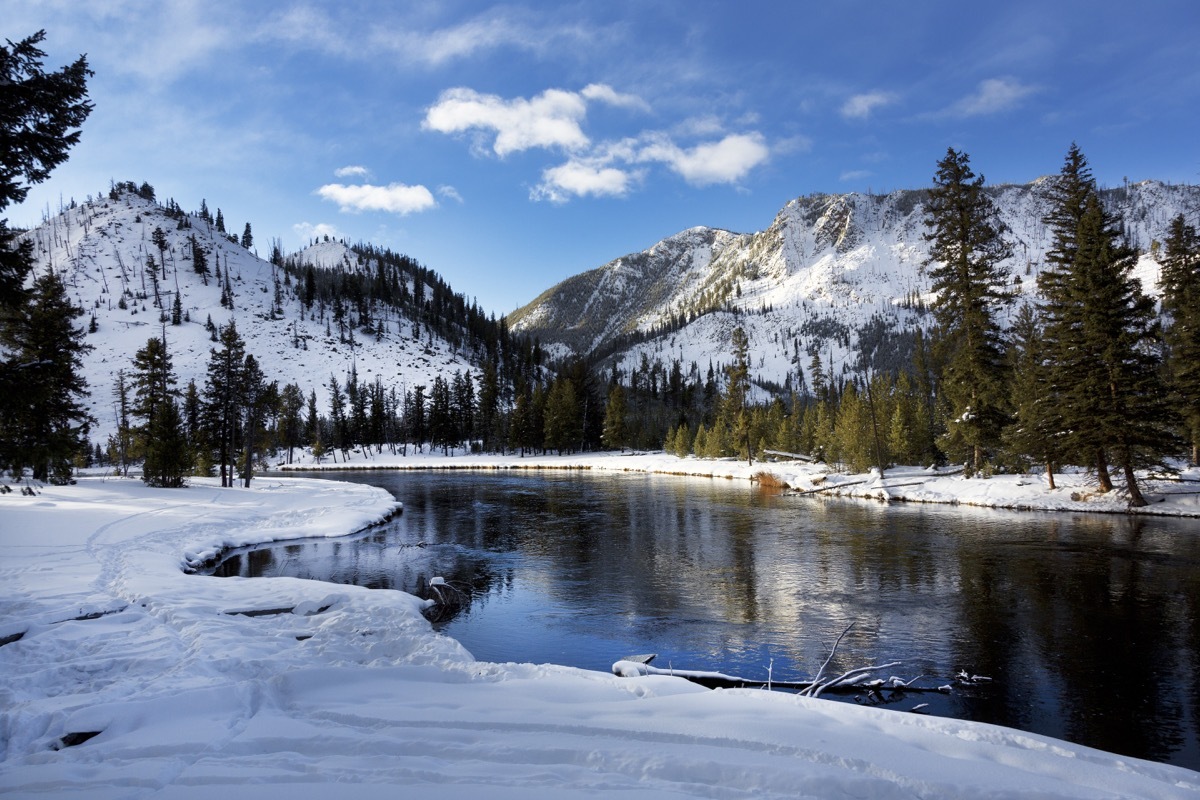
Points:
point(551, 119)
point(861, 106)
point(993, 96)
point(580, 179)
point(351, 172)
point(725, 161)
point(306, 230)
point(855, 175)
point(606, 94)
point(396, 198)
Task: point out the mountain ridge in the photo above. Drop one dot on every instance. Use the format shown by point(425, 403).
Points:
point(105, 251)
point(827, 267)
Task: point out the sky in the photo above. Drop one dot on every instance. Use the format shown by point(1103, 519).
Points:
point(510, 146)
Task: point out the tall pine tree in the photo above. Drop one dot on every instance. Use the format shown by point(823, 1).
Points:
point(966, 252)
point(1105, 375)
point(1181, 301)
point(43, 422)
point(39, 122)
point(160, 438)
point(223, 398)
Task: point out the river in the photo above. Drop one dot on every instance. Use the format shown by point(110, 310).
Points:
point(1088, 626)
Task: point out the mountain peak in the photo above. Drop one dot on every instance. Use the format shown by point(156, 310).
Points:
point(833, 273)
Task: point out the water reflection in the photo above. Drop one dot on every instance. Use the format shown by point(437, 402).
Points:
point(1088, 624)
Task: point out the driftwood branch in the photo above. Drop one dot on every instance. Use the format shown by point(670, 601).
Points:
point(832, 651)
point(848, 682)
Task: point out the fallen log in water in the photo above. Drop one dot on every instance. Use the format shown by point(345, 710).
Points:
point(635, 666)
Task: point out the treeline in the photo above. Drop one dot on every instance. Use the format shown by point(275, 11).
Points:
point(1092, 376)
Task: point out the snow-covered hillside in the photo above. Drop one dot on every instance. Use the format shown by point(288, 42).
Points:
point(103, 249)
point(826, 268)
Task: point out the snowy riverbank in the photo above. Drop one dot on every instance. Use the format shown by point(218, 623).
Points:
point(1075, 491)
point(347, 691)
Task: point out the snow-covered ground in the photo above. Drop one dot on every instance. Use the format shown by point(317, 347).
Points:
point(1075, 490)
point(343, 691)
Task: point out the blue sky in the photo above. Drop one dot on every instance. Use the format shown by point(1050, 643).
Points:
point(509, 146)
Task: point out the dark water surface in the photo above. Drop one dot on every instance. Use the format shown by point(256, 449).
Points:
point(1089, 625)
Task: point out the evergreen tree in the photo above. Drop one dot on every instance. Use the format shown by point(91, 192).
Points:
point(159, 237)
point(463, 406)
point(490, 420)
point(220, 221)
point(177, 310)
point(563, 423)
point(120, 446)
point(167, 453)
point(441, 416)
point(257, 398)
point(247, 237)
point(43, 422)
point(160, 439)
point(614, 435)
point(222, 398)
point(292, 428)
point(1037, 426)
point(735, 415)
point(40, 116)
point(965, 255)
point(521, 422)
point(195, 430)
point(415, 416)
point(312, 419)
point(199, 260)
point(1105, 376)
point(1181, 300)
point(853, 431)
point(337, 419)
point(1067, 194)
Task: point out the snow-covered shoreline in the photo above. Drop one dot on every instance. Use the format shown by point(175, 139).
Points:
point(1075, 491)
point(349, 691)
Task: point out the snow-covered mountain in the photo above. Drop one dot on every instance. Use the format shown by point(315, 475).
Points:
point(106, 252)
point(833, 274)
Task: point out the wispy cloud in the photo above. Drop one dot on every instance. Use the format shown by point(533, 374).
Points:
point(412, 41)
point(352, 172)
point(855, 175)
point(450, 193)
point(306, 230)
point(993, 96)
point(610, 96)
point(861, 106)
point(395, 198)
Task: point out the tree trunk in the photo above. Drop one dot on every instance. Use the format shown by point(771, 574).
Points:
point(1136, 500)
point(1050, 474)
point(1106, 484)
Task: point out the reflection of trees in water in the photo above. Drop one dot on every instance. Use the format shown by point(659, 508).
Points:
point(1123, 684)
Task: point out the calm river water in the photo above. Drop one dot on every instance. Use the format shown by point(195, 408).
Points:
point(1088, 625)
